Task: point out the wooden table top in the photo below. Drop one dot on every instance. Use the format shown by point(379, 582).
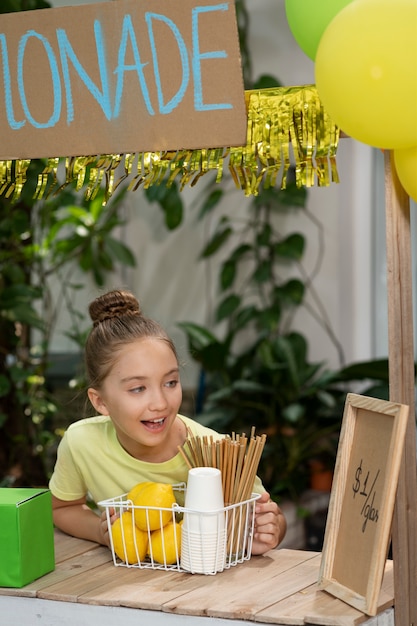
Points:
point(276, 588)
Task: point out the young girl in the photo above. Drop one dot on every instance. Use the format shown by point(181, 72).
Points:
point(135, 387)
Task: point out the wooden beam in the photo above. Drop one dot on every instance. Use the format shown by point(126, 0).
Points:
point(402, 389)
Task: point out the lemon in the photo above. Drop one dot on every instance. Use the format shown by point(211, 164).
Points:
point(165, 544)
point(127, 538)
point(136, 489)
point(158, 495)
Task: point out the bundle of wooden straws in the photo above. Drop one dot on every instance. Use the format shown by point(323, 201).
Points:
point(236, 456)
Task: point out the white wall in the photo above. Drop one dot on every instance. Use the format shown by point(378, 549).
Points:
point(172, 286)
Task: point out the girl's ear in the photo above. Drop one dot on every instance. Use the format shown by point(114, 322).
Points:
point(96, 401)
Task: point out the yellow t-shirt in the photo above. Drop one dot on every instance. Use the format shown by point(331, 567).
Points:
point(91, 462)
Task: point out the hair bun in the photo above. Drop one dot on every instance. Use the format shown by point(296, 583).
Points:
point(113, 304)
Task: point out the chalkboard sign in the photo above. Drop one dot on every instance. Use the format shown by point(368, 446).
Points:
point(362, 500)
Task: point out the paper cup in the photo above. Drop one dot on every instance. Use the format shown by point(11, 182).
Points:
point(203, 554)
point(204, 501)
point(204, 489)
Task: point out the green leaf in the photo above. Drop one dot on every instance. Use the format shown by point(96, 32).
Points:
point(292, 247)
point(198, 336)
point(168, 197)
point(268, 197)
point(227, 274)
point(269, 318)
point(173, 208)
point(377, 370)
point(266, 356)
point(85, 259)
point(120, 252)
point(25, 314)
point(155, 193)
point(248, 386)
point(244, 316)
point(326, 398)
point(284, 349)
point(18, 294)
point(264, 236)
point(213, 357)
point(266, 81)
point(240, 252)
point(105, 260)
point(299, 347)
point(293, 412)
point(227, 307)
point(263, 271)
point(13, 273)
point(211, 201)
point(293, 196)
point(218, 239)
point(5, 385)
point(291, 292)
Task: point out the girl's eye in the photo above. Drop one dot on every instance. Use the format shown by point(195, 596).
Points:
point(172, 383)
point(137, 389)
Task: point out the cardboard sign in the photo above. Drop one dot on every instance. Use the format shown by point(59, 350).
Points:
point(120, 77)
point(362, 500)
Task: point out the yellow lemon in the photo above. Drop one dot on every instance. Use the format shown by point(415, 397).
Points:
point(136, 489)
point(157, 495)
point(166, 544)
point(127, 538)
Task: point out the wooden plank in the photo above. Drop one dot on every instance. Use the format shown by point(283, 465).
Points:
point(247, 604)
point(67, 547)
point(240, 592)
point(142, 588)
point(402, 389)
point(160, 590)
point(69, 589)
point(313, 606)
point(65, 570)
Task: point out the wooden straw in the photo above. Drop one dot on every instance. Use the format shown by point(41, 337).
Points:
point(244, 478)
point(231, 473)
point(185, 457)
point(237, 460)
point(213, 452)
point(240, 461)
point(225, 462)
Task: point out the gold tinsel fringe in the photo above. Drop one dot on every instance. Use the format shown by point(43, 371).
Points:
point(285, 125)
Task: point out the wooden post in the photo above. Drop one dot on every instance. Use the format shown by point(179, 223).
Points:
point(402, 389)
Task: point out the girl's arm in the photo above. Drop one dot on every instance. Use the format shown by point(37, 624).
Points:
point(75, 518)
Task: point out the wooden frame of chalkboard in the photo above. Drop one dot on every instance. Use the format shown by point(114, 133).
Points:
point(358, 526)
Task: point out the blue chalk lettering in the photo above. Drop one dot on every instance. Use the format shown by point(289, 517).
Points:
point(178, 97)
point(128, 32)
point(14, 125)
point(56, 81)
point(67, 52)
point(198, 56)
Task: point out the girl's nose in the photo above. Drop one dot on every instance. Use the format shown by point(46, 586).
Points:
point(157, 400)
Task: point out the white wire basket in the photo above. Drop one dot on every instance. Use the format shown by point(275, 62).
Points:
point(184, 540)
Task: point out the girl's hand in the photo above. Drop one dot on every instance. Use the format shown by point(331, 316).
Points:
point(270, 525)
point(104, 529)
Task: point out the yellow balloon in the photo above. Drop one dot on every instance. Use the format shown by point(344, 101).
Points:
point(406, 166)
point(366, 72)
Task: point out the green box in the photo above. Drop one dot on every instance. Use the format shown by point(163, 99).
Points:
point(26, 536)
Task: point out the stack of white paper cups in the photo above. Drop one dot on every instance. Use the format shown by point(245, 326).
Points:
point(203, 541)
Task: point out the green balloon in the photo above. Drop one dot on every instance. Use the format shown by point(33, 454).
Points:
point(308, 19)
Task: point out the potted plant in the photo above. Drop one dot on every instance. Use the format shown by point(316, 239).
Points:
point(256, 370)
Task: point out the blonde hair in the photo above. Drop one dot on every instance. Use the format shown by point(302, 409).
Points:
point(117, 320)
